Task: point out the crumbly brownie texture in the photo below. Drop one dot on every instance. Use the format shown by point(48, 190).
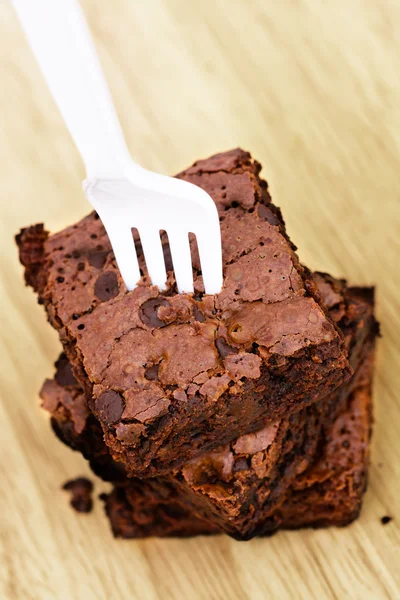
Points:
point(285, 491)
point(329, 492)
point(238, 484)
point(170, 375)
point(73, 423)
point(158, 512)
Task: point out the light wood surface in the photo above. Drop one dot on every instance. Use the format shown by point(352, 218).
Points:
point(312, 88)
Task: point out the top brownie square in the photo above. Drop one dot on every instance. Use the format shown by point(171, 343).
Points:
point(169, 375)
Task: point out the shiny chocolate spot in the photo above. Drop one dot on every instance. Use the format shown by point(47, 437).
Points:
point(106, 286)
point(152, 373)
point(148, 312)
point(224, 348)
point(109, 407)
point(97, 258)
point(198, 315)
point(266, 213)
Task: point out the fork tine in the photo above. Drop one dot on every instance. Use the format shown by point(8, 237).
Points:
point(153, 253)
point(181, 259)
point(210, 252)
point(125, 254)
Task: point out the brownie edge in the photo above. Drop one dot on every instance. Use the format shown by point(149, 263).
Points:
point(171, 376)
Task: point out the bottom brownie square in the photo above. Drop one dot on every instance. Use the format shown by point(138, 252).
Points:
point(329, 492)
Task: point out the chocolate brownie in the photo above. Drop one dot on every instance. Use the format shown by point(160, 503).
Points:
point(81, 490)
point(329, 492)
point(171, 376)
point(158, 512)
point(238, 484)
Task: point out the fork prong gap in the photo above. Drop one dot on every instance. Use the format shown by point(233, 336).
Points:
point(194, 253)
point(166, 250)
point(139, 251)
point(153, 256)
point(181, 260)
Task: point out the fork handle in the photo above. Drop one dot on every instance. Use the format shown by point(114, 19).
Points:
point(59, 36)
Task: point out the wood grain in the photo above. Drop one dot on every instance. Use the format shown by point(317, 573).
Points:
point(312, 88)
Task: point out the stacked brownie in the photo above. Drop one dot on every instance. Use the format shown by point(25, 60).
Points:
point(241, 412)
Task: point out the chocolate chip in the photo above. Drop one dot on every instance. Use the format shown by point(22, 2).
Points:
point(106, 286)
point(152, 373)
point(64, 375)
point(76, 316)
point(386, 519)
point(224, 348)
point(81, 489)
point(266, 213)
point(97, 258)
point(198, 315)
point(109, 407)
point(81, 266)
point(76, 254)
point(60, 279)
point(148, 312)
point(81, 326)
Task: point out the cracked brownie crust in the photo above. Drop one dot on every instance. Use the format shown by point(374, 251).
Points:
point(171, 376)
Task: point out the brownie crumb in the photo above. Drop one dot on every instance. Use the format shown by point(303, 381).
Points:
point(81, 490)
point(64, 375)
point(386, 519)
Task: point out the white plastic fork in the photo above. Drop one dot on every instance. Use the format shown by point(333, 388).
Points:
point(124, 194)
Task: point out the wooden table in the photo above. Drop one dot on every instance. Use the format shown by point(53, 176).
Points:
point(312, 88)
